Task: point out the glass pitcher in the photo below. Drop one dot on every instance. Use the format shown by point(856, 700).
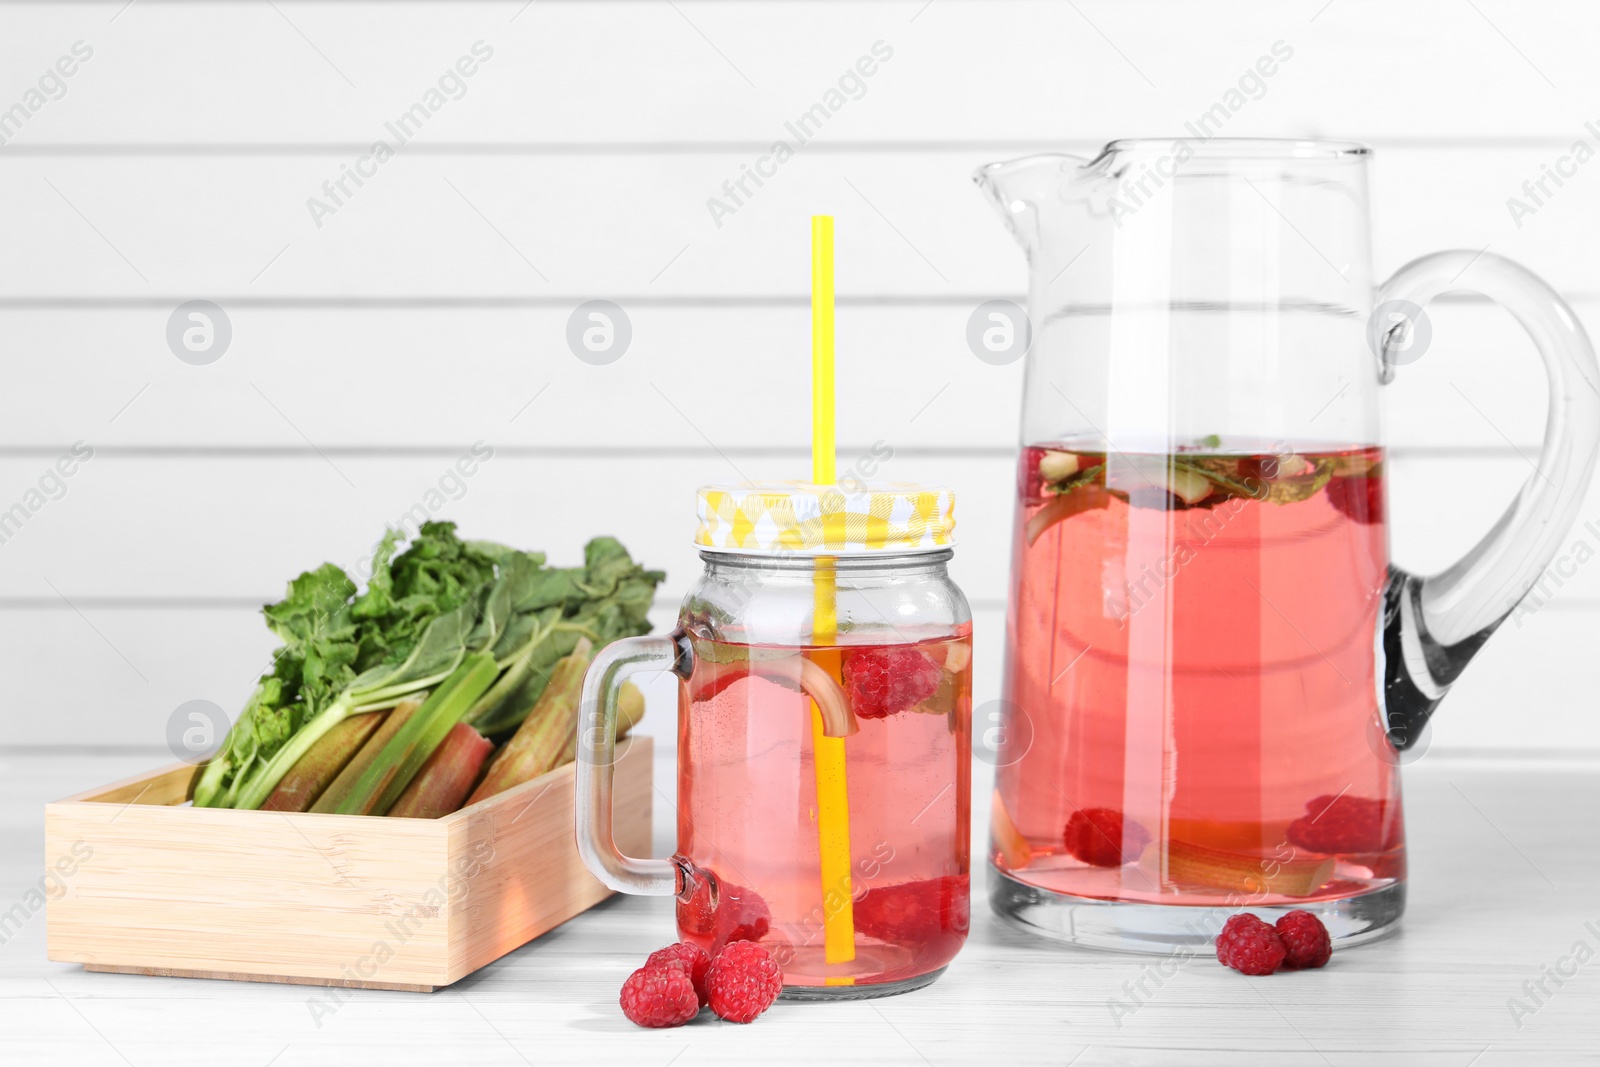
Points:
point(824, 738)
point(1212, 666)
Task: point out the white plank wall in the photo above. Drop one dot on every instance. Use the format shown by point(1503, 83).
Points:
point(429, 311)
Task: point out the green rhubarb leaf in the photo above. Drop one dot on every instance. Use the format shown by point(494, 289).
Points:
point(504, 555)
point(519, 631)
point(378, 599)
point(436, 653)
point(493, 615)
point(316, 605)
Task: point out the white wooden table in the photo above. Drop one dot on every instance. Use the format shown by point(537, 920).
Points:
point(1505, 864)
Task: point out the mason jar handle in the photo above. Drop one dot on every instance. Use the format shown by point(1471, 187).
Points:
point(1433, 625)
point(597, 749)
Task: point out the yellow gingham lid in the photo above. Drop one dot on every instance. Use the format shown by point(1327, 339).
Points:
point(824, 520)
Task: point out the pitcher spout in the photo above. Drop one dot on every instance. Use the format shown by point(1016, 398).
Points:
point(1019, 187)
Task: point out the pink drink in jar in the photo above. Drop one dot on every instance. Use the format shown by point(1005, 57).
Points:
point(824, 738)
point(747, 819)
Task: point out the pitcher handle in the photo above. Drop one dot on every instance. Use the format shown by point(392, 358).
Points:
point(597, 748)
point(1433, 625)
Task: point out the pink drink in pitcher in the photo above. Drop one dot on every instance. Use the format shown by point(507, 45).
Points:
point(1191, 642)
point(747, 807)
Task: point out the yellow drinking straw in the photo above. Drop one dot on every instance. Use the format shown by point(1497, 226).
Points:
point(833, 800)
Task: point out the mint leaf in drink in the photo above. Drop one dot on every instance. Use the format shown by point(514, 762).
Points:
point(1224, 473)
point(1086, 476)
point(1307, 483)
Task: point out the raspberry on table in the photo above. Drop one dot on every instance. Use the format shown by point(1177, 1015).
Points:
point(1305, 939)
point(659, 996)
point(1249, 945)
point(1343, 824)
point(880, 682)
point(693, 959)
point(1101, 837)
point(740, 914)
point(743, 982)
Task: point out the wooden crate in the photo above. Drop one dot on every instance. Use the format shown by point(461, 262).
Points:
point(154, 887)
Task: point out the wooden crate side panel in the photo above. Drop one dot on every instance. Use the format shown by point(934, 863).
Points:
point(527, 875)
point(317, 896)
point(170, 785)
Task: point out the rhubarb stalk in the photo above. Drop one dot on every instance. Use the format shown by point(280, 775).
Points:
point(1197, 865)
point(545, 735)
point(1084, 498)
point(447, 777)
point(319, 767)
point(381, 784)
point(630, 709)
point(346, 781)
point(1013, 849)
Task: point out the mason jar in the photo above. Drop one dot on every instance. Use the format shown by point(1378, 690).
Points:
point(824, 738)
